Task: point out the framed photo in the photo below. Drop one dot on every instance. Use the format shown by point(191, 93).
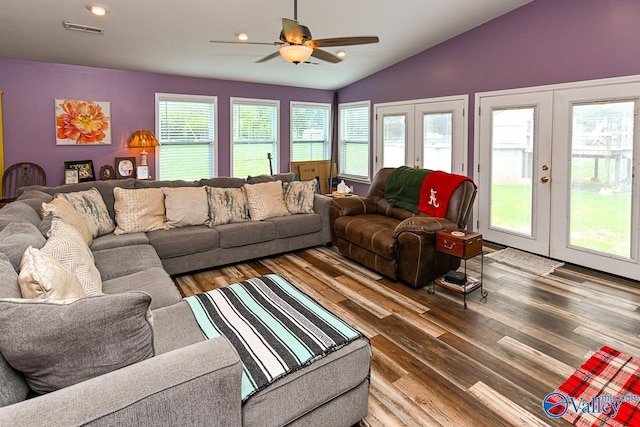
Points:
point(80, 122)
point(125, 167)
point(84, 168)
point(107, 173)
point(71, 176)
point(142, 172)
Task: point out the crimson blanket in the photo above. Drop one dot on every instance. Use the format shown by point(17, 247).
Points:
point(436, 190)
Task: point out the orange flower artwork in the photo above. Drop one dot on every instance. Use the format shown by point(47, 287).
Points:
point(82, 122)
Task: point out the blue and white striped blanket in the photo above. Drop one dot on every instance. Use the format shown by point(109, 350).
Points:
point(275, 328)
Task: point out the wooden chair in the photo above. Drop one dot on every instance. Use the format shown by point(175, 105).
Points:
point(20, 175)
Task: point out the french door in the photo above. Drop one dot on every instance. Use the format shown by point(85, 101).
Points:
point(427, 134)
point(555, 173)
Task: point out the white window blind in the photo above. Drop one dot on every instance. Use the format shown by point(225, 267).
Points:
point(353, 140)
point(254, 136)
point(309, 131)
point(187, 136)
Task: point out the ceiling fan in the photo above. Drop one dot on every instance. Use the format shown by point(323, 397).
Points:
point(297, 44)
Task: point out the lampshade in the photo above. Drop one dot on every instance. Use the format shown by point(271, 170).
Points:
point(143, 139)
point(295, 52)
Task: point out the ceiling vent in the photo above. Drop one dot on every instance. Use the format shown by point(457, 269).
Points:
point(82, 28)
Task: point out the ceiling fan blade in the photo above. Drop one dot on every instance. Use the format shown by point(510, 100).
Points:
point(343, 41)
point(325, 56)
point(268, 57)
point(292, 32)
point(234, 42)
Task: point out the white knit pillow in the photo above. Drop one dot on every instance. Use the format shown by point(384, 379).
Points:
point(186, 206)
point(69, 248)
point(139, 210)
point(265, 200)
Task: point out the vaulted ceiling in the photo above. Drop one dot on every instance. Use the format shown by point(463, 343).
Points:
point(172, 37)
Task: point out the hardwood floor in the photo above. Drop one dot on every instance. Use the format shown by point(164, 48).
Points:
point(434, 363)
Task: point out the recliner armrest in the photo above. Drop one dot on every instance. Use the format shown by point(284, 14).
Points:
point(424, 225)
point(194, 385)
point(351, 206)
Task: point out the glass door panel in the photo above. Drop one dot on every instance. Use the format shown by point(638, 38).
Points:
point(437, 141)
point(394, 140)
point(511, 170)
point(602, 136)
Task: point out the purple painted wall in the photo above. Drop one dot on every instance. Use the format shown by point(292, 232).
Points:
point(544, 42)
point(29, 120)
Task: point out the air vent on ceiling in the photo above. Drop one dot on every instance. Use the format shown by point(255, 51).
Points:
point(82, 28)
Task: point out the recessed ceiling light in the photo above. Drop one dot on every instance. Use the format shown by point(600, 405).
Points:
point(341, 54)
point(242, 36)
point(98, 9)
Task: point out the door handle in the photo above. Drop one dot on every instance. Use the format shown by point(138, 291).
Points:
point(544, 179)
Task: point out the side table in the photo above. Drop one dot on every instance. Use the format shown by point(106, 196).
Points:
point(465, 245)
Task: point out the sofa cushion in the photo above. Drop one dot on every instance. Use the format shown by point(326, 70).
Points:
point(174, 327)
point(118, 262)
point(56, 345)
point(67, 247)
point(226, 206)
point(265, 200)
point(223, 182)
point(186, 206)
point(296, 225)
point(60, 206)
point(248, 233)
point(13, 387)
point(43, 277)
point(154, 281)
point(139, 210)
point(183, 241)
point(299, 196)
point(16, 237)
point(109, 241)
point(371, 232)
point(284, 177)
point(18, 212)
point(93, 209)
point(35, 199)
point(9, 286)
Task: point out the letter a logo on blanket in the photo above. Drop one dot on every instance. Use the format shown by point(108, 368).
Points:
point(433, 201)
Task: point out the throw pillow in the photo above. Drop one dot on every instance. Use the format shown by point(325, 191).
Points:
point(139, 210)
point(16, 237)
point(91, 206)
point(186, 206)
point(226, 205)
point(43, 277)
point(65, 210)
point(68, 248)
point(56, 345)
point(265, 200)
point(299, 195)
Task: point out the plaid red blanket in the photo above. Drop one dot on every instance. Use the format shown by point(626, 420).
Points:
point(604, 392)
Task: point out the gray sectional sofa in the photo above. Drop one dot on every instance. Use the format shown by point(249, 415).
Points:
point(189, 380)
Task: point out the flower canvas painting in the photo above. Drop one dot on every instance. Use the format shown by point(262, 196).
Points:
point(83, 122)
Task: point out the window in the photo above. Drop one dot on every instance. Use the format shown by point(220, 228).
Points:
point(186, 126)
point(254, 124)
point(353, 140)
point(309, 131)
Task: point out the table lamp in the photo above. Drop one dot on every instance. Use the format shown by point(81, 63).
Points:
point(143, 139)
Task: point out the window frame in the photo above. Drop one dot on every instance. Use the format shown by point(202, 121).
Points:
point(173, 97)
point(275, 155)
point(341, 173)
point(305, 104)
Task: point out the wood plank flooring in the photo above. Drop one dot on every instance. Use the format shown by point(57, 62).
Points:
point(434, 363)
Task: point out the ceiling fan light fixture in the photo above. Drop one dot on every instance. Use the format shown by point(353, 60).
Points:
point(341, 54)
point(242, 36)
point(295, 53)
point(97, 9)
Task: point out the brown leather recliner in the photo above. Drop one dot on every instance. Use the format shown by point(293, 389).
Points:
point(394, 241)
